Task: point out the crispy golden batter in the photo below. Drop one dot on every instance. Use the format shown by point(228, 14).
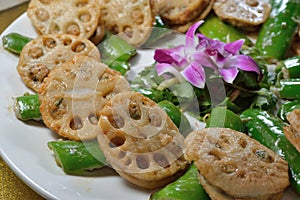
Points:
point(140, 141)
point(178, 12)
point(246, 14)
point(132, 19)
point(46, 52)
point(236, 164)
point(76, 17)
point(292, 132)
point(73, 95)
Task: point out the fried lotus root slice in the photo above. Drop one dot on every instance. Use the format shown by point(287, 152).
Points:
point(76, 17)
point(217, 194)
point(178, 12)
point(132, 19)
point(246, 14)
point(140, 141)
point(46, 52)
point(236, 164)
point(73, 95)
point(182, 28)
point(292, 132)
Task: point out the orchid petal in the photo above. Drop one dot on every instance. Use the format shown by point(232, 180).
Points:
point(229, 74)
point(190, 35)
point(167, 55)
point(234, 47)
point(163, 68)
point(195, 74)
point(204, 60)
point(245, 63)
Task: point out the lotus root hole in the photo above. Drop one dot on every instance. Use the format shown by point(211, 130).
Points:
point(263, 155)
point(105, 76)
point(242, 143)
point(42, 14)
point(142, 162)
point(93, 119)
point(241, 173)
point(216, 154)
point(67, 41)
point(231, 8)
point(228, 168)
point(161, 160)
point(122, 154)
point(155, 120)
point(54, 28)
point(36, 52)
point(76, 123)
point(57, 108)
point(117, 140)
point(252, 3)
point(85, 17)
point(38, 72)
point(49, 43)
point(134, 110)
point(73, 29)
point(116, 121)
point(137, 17)
point(81, 3)
point(78, 47)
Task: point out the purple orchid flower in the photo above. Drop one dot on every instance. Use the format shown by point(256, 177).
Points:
point(190, 60)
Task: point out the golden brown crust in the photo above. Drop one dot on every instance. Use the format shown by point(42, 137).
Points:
point(77, 17)
point(73, 95)
point(217, 194)
point(140, 141)
point(131, 19)
point(236, 163)
point(178, 12)
point(292, 132)
point(46, 52)
point(246, 14)
point(184, 27)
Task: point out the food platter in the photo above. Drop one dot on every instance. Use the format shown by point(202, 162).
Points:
point(23, 146)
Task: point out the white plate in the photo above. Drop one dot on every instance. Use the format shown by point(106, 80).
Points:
point(24, 146)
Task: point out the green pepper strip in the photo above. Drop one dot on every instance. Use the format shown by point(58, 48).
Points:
point(78, 158)
point(275, 35)
point(186, 187)
point(291, 67)
point(15, 42)
point(289, 88)
point(217, 29)
point(222, 117)
point(27, 107)
point(176, 116)
point(287, 107)
point(116, 52)
point(268, 130)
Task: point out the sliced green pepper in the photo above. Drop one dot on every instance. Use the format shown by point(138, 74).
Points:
point(287, 107)
point(222, 117)
point(187, 187)
point(291, 67)
point(289, 88)
point(275, 36)
point(27, 107)
point(268, 130)
point(215, 28)
point(176, 116)
point(78, 158)
point(115, 48)
point(15, 42)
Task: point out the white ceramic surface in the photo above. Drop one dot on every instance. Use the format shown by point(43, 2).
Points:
point(24, 146)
